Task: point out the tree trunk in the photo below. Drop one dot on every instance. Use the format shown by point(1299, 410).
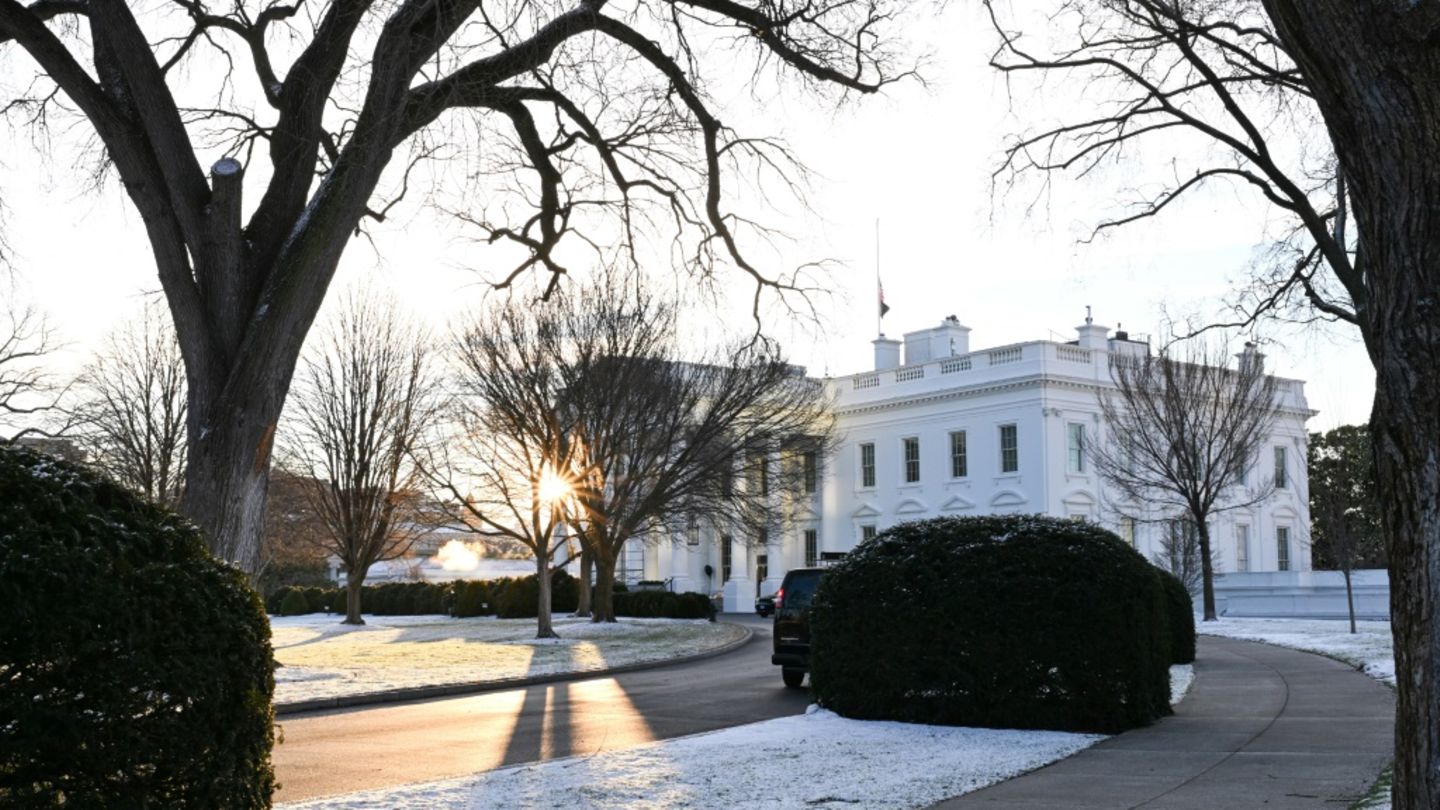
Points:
point(587, 562)
point(1374, 71)
point(603, 608)
point(226, 480)
point(545, 624)
point(1207, 571)
point(353, 582)
point(1350, 599)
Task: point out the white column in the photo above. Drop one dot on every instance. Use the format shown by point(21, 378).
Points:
point(740, 589)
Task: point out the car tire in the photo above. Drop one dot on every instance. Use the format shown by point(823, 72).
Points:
point(793, 677)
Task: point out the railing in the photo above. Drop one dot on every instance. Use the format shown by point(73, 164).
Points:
point(954, 364)
point(871, 380)
point(910, 373)
point(1002, 356)
point(1071, 354)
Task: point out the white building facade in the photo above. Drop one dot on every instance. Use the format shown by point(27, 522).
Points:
point(936, 429)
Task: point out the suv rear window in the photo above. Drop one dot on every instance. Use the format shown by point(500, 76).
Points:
point(800, 589)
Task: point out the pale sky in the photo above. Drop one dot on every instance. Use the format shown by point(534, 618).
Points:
point(918, 159)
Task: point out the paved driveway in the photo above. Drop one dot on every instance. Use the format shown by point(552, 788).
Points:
point(1262, 727)
point(343, 751)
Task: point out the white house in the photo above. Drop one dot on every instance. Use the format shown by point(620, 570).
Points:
point(938, 429)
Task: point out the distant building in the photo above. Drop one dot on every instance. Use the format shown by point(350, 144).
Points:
point(937, 429)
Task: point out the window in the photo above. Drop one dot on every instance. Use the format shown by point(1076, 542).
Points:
point(725, 552)
point(867, 465)
point(692, 533)
point(727, 478)
point(1242, 548)
point(812, 548)
point(1282, 547)
point(1280, 468)
point(1009, 450)
point(810, 471)
point(958, 467)
point(764, 475)
point(912, 460)
point(867, 532)
point(1127, 530)
point(1075, 452)
point(762, 569)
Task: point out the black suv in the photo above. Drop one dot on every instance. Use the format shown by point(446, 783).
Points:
point(792, 624)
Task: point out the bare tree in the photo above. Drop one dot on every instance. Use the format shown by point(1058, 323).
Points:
point(1209, 91)
point(28, 390)
point(365, 394)
point(667, 440)
point(595, 125)
point(1343, 504)
point(1370, 72)
point(131, 407)
point(646, 439)
point(1180, 554)
point(1182, 433)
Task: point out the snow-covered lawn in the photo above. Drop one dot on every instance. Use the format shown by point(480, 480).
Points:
point(1368, 649)
point(817, 759)
point(321, 658)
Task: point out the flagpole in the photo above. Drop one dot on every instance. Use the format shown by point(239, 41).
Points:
point(879, 291)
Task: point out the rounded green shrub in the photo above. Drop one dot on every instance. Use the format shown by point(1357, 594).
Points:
point(472, 599)
point(135, 669)
point(1002, 622)
point(294, 603)
point(1181, 610)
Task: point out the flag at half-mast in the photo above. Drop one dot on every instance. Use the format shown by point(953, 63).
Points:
point(880, 288)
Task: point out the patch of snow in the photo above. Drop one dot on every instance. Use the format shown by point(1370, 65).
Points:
point(817, 759)
point(1181, 676)
point(1369, 649)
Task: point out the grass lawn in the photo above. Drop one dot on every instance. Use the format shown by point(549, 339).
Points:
point(321, 658)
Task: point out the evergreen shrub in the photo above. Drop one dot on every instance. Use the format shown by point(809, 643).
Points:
point(519, 597)
point(135, 669)
point(1181, 611)
point(663, 605)
point(1002, 622)
point(472, 598)
point(294, 603)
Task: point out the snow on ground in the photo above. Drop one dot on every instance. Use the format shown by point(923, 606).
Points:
point(1368, 649)
point(1181, 676)
point(321, 658)
point(818, 759)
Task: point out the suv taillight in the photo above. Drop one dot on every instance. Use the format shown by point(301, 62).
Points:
point(779, 598)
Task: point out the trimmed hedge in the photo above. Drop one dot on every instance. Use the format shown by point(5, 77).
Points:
point(1182, 618)
point(135, 669)
point(663, 605)
point(294, 604)
point(1003, 621)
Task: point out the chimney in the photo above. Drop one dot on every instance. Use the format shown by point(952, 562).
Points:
point(949, 339)
point(887, 353)
point(1092, 336)
point(1251, 358)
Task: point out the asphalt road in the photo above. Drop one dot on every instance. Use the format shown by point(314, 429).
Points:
point(342, 751)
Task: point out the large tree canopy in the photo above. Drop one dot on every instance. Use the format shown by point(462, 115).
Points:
point(253, 139)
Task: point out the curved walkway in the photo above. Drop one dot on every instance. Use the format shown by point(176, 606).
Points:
point(1262, 726)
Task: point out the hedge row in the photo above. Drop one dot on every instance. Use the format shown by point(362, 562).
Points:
point(1001, 621)
point(507, 598)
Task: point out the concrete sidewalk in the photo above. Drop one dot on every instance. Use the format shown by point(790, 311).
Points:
point(1262, 727)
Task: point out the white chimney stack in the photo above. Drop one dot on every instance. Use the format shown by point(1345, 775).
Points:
point(887, 353)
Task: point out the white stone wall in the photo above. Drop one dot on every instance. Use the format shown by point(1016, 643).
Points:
point(1039, 387)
